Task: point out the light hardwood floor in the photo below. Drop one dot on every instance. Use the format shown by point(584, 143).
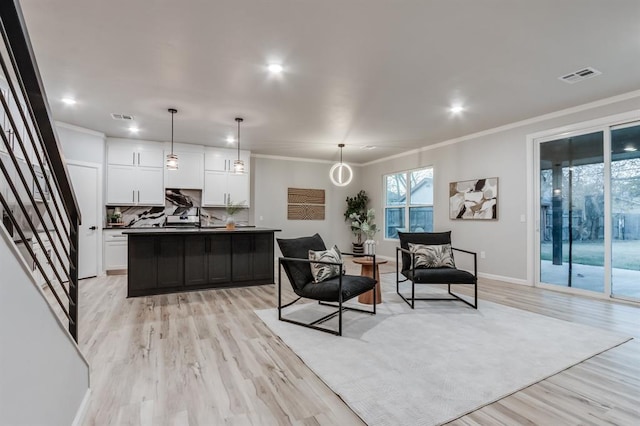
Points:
point(205, 358)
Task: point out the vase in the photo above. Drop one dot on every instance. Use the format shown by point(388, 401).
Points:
point(231, 223)
point(358, 248)
point(370, 247)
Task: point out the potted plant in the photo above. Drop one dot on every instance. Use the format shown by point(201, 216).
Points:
point(356, 211)
point(366, 226)
point(232, 208)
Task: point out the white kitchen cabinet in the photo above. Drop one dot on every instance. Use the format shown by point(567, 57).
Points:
point(115, 250)
point(190, 173)
point(215, 189)
point(220, 187)
point(221, 159)
point(150, 186)
point(238, 188)
point(131, 185)
point(121, 185)
point(129, 152)
point(135, 173)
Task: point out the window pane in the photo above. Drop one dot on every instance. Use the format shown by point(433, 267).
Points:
point(421, 219)
point(421, 185)
point(394, 221)
point(396, 189)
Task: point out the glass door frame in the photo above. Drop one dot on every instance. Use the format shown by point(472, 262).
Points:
point(604, 125)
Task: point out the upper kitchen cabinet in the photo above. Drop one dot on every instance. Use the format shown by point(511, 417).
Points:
point(131, 152)
point(221, 159)
point(190, 173)
point(135, 173)
point(221, 183)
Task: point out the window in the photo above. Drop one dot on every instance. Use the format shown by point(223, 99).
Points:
point(408, 202)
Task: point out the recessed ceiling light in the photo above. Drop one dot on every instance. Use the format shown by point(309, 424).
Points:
point(630, 149)
point(275, 68)
point(69, 101)
point(230, 139)
point(368, 147)
point(456, 109)
point(134, 129)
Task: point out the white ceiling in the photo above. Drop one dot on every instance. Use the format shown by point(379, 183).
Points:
point(359, 72)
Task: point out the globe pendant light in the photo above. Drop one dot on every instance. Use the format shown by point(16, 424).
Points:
point(238, 165)
point(172, 159)
point(341, 173)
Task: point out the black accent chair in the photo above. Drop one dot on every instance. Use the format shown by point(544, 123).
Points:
point(332, 292)
point(444, 275)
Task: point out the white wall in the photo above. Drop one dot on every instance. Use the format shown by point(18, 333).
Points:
point(43, 377)
point(270, 179)
point(81, 144)
point(502, 154)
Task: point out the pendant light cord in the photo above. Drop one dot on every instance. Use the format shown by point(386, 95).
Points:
point(172, 114)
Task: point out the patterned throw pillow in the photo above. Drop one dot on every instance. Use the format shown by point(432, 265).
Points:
point(322, 272)
point(438, 256)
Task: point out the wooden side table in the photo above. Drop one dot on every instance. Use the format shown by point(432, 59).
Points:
point(366, 269)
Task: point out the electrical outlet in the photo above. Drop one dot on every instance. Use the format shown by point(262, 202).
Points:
point(482, 255)
point(523, 218)
point(261, 218)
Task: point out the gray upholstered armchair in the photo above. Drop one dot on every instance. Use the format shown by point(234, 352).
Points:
point(427, 258)
point(333, 291)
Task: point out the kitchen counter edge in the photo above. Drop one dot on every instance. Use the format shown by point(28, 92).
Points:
point(192, 231)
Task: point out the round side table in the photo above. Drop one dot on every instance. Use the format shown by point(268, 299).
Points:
point(366, 269)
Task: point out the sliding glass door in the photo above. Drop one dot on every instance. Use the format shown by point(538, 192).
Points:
point(572, 212)
point(625, 211)
point(589, 211)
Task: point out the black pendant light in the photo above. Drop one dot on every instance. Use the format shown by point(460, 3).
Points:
point(172, 159)
point(238, 165)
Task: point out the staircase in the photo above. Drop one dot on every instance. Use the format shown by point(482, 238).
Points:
point(44, 378)
point(37, 203)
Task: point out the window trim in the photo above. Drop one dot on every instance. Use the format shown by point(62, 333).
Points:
point(407, 204)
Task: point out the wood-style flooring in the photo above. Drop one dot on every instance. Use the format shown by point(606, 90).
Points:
point(205, 358)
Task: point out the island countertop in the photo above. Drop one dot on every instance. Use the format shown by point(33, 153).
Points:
point(191, 231)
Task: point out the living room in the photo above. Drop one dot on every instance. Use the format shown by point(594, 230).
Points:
point(476, 96)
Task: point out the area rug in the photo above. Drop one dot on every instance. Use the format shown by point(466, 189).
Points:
point(438, 362)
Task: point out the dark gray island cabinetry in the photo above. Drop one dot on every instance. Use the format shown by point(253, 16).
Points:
point(169, 260)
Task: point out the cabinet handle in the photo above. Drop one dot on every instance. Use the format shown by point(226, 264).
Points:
point(138, 158)
point(133, 196)
point(134, 158)
point(138, 196)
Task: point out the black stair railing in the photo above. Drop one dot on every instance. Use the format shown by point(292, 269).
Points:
point(37, 201)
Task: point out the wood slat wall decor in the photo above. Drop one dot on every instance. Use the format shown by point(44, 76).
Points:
point(305, 212)
point(305, 196)
point(305, 204)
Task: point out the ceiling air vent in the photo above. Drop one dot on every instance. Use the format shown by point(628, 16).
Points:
point(580, 75)
point(126, 117)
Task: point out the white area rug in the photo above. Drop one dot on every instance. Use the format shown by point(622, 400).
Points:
point(438, 362)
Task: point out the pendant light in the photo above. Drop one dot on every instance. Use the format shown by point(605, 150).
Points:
point(341, 173)
point(172, 159)
point(238, 165)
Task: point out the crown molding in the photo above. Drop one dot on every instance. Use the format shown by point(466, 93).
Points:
point(510, 126)
point(79, 129)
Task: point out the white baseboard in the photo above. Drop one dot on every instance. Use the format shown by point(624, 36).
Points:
point(504, 279)
point(82, 410)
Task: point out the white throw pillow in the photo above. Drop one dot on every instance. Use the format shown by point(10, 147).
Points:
point(322, 272)
point(436, 256)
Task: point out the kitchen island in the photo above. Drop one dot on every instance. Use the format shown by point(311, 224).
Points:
point(170, 260)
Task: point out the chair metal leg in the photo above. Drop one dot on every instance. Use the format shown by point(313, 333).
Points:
point(279, 290)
